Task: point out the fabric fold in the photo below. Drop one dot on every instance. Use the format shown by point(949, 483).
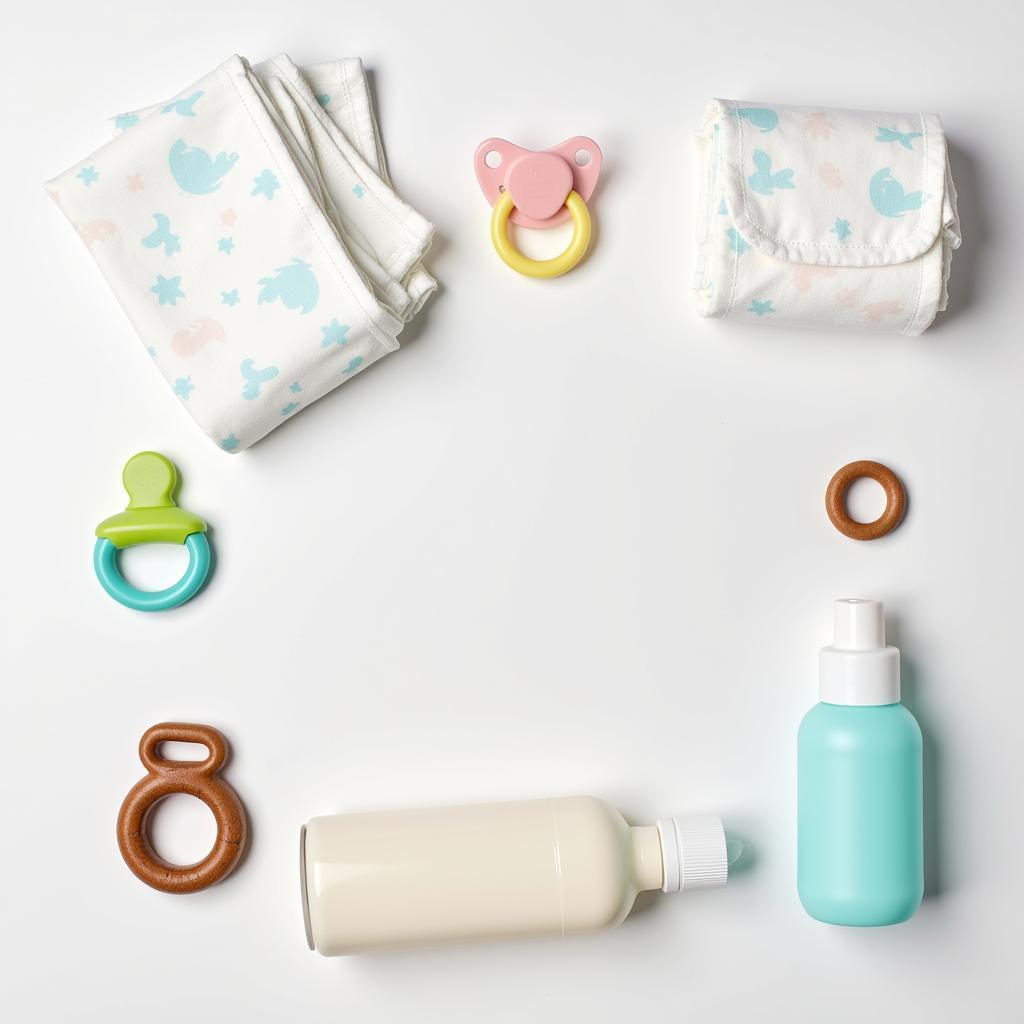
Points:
point(250, 231)
point(823, 218)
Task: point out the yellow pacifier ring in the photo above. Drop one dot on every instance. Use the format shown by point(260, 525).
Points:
point(541, 268)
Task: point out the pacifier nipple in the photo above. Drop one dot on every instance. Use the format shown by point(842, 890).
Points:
point(150, 480)
point(539, 184)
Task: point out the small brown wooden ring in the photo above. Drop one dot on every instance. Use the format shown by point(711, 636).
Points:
point(195, 778)
point(895, 500)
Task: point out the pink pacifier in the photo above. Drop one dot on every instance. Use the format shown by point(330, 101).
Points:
point(539, 190)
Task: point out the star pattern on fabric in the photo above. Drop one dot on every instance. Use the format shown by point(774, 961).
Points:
point(228, 218)
point(761, 306)
point(818, 126)
point(230, 298)
point(265, 184)
point(289, 408)
point(359, 191)
point(841, 229)
point(135, 183)
point(183, 387)
point(334, 334)
point(230, 443)
point(295, 387)
point(167, 290)
point(123, 121)
point(225, 245)
point(87, 175)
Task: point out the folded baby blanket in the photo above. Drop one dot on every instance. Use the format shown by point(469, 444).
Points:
point(809, 217)
point(249, 230)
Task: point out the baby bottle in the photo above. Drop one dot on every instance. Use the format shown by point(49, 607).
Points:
point(860, 846)
point(459, 874)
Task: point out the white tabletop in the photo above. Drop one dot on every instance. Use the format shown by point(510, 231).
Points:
point(569, 539)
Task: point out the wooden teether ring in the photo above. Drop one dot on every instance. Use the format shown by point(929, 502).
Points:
point(194, 778)
point(895, 500)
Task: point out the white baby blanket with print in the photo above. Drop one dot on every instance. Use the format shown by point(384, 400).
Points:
point(829, 219)
point(249, 230)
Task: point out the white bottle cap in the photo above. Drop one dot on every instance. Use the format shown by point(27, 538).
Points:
point(693, 853)
point(858, 668)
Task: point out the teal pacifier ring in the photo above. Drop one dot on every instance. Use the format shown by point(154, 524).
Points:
point(152, 517)
point(108, 572)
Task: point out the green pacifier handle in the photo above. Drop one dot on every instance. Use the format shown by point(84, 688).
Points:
point(152, 517)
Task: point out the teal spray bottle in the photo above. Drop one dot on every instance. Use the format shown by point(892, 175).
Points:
point(860, 843)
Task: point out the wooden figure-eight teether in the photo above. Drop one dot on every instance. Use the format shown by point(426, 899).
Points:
point(195, 778)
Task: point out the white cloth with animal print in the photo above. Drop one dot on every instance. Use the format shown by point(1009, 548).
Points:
point(249, 230)
point(829, 219)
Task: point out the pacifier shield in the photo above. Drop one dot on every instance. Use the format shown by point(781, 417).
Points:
point(530, 176)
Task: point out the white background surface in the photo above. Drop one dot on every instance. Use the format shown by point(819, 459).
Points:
point(569, 539)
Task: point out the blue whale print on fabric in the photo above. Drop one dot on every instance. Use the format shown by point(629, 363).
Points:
point(760, 117)
point(737, 242)
point(295, 285)
point(905, 139)
point(183, 107)
point(161, 235)
point(888, 197)
point(763, 180)
point(196, 171)
point(255, 379)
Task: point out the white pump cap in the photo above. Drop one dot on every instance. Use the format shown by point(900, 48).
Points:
point(693, 853)
point(859, 669)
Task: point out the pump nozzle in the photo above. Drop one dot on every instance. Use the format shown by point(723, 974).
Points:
point(858, 668)
point(859, 625)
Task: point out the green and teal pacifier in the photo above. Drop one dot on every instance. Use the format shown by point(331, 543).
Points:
point(152, 517)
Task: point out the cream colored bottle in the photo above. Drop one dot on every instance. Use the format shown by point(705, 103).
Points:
point(488, 871)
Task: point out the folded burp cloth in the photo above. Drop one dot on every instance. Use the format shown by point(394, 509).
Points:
point(249, 230)
point(833, 219)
